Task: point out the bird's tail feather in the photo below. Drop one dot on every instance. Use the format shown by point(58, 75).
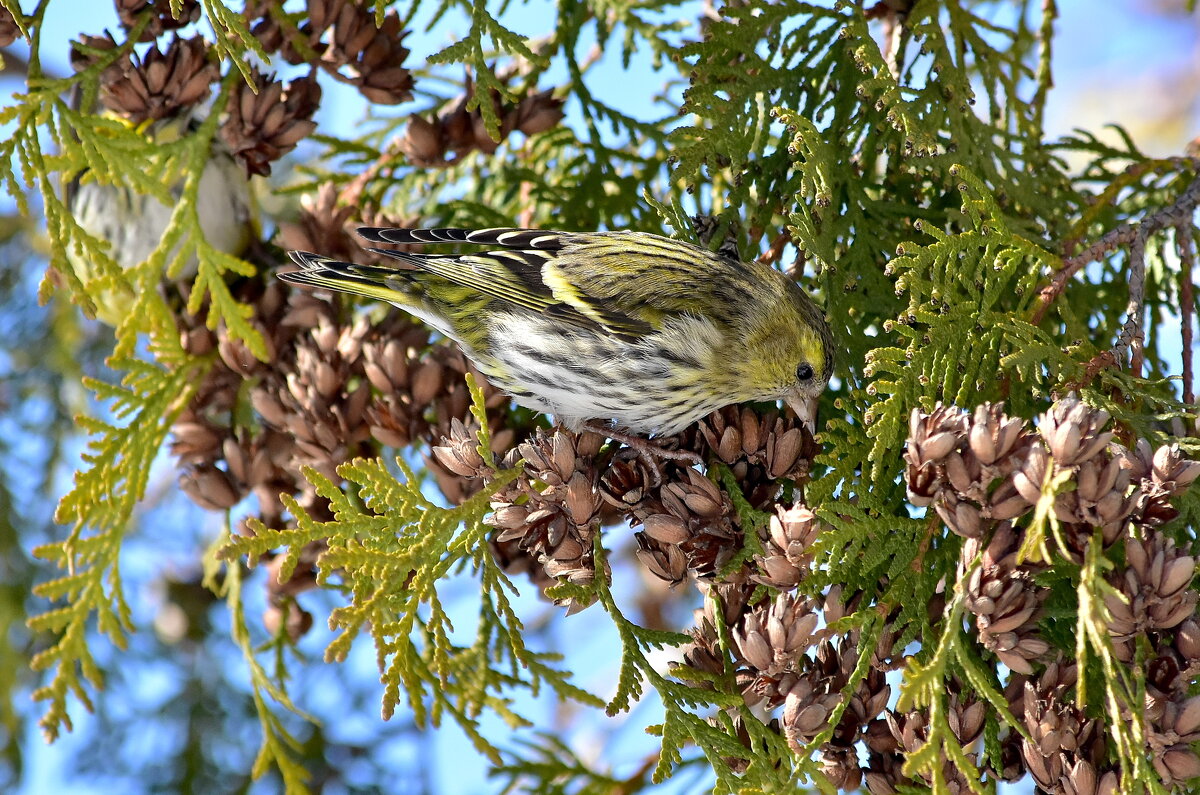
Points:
point(499, 236)
point(347, 277)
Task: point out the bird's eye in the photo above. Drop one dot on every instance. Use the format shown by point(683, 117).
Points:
point(804, 372)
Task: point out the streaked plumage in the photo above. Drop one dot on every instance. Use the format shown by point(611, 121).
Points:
point(647, 332)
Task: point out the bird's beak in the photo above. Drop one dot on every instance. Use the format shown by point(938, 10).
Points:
point(805, 408)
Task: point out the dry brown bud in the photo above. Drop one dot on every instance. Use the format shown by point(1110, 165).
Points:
point(1082, 779)
point(210, 488)
point(1062, 734)
point(962, 518)
point(790, 534)
point(840, 767)
point(458, 131)
point(551, 512)
point(9, 31)
point(1177, 764)
point(427, 382)
point(195, 442)
point(1005, 600)
point(665, 528)
point(276, 33)
point(931, 438)
point(99, 45)
point(373, 56)
point(806, 713)
point(1187, 640)
point(1072, 431)
point(422, 143)
point(665, 561)
point(774, 636)
point(699, 494)
point(162, 17)
point(993, 435)
point(296, 624)
point(1172, 471)
point(1155, 592)
point(760, 451)
point(160, 84)
point(538, 112)
point(1030, 478)
point(268, 118)
point(460, 452)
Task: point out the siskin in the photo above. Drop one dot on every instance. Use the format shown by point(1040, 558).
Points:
point(647, 332)
point(133, 224)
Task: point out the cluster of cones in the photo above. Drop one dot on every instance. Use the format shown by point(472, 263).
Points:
point(547, 518)
point(456, 131)
point(333, 388)
point(266, 117)
point(171, 82)
point(983, 473)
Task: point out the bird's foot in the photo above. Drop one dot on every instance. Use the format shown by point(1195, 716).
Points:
point(647, 450)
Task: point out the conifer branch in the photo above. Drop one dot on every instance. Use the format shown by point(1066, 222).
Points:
point(1185, 245)
point(1014, 571)
point(1135, 237)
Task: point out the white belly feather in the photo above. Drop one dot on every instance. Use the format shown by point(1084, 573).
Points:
point(581, 375)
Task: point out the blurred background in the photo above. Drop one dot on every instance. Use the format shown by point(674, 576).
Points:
point(176, 714)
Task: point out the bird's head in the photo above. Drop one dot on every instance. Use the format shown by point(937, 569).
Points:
point(789, 356)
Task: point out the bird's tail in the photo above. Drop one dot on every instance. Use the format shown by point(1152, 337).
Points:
point(385, 284)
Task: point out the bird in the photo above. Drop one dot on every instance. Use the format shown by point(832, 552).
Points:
point(620, 332)
point(133, 224)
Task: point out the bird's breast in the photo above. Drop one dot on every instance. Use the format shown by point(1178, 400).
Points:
point(651, 385)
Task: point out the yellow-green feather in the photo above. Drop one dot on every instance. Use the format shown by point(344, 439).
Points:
point(660, 330)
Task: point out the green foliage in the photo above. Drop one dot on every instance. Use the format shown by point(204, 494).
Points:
point(99, 509)
point(53, 142)
point(947, 320)
point(387, 533)
point(909, 175)
point(553, 767)
point(470, 50)
point(681, 726)
point(97, 148)
point(278, 747)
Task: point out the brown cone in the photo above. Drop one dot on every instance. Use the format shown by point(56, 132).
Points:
point(160, 84)
point(9, 32)
point(162, 19)
point(267, 121)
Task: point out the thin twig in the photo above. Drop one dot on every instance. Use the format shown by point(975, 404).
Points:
point(1131, 330)
point(1101, 361)
point(1187, 300)
point(1178, 213)
point(1137, 356)
point(775, 250)
point(1113, 239)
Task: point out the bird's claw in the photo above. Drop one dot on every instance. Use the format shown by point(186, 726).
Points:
point(646, 450)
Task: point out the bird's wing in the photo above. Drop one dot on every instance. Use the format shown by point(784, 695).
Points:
point(653, 278)
point(625, 282)
point(523, 273)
